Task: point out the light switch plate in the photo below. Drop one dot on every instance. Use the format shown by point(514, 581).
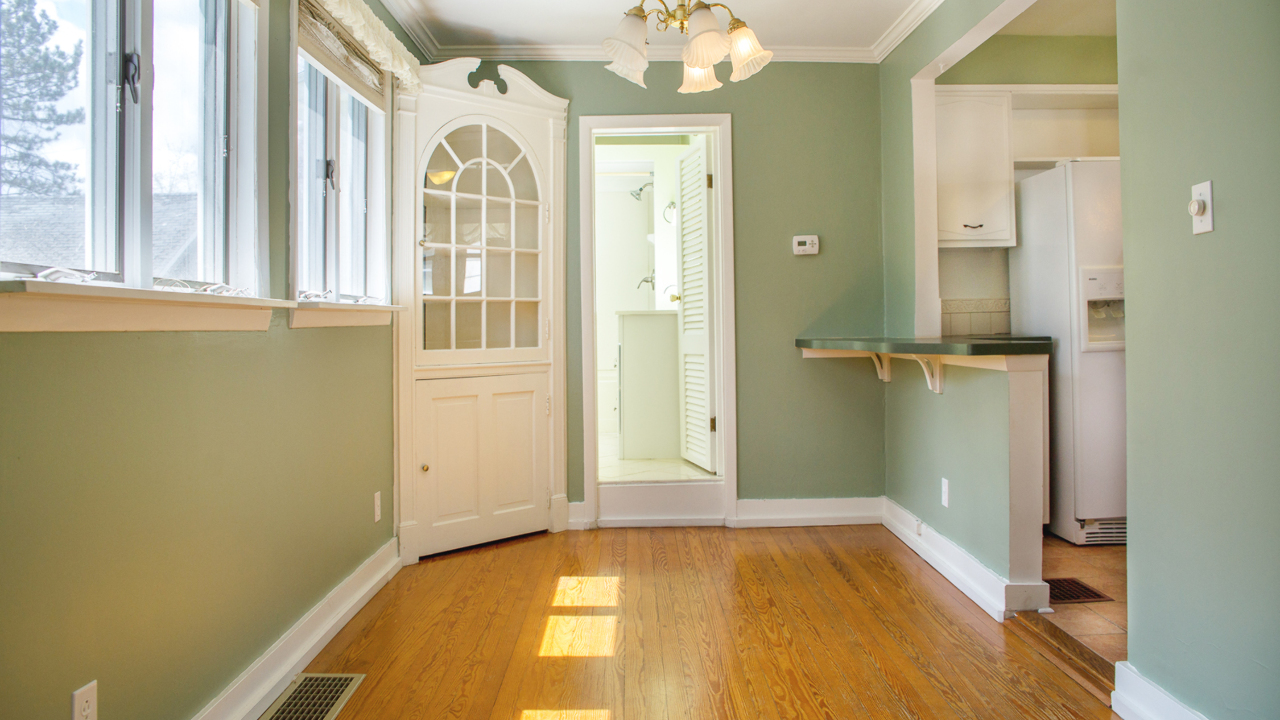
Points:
point(84, 702)
point(946, 493)
point(377, 506)
point(1202, 223)
point(804, 244)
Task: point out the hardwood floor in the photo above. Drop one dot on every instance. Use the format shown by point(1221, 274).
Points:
point(840, 622)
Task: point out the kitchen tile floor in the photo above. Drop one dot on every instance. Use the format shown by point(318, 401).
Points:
point(1102, 626)
point(614, 470)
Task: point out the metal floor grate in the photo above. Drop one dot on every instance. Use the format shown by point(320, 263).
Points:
point(1071, 590)
point(313, 696)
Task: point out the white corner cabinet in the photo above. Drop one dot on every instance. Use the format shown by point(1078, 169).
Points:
point(975, 169)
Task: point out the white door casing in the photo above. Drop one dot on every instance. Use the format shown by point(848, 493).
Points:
point(696, 366)
point(469, 405)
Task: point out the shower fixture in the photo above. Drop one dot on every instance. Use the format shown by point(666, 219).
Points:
point(637, 193)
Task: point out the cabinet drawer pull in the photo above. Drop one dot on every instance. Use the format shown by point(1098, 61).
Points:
point(974, 227)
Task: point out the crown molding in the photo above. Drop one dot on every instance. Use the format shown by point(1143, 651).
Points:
point(412, 19)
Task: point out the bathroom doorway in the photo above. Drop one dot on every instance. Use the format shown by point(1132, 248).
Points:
point(654, 373)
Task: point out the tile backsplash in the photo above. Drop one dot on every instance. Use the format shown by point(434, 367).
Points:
point(981, 316)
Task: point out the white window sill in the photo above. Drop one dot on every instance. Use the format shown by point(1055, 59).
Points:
point(43, 306)
point(331, 314)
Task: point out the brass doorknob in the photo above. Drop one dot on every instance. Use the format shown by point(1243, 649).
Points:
point(426, 468)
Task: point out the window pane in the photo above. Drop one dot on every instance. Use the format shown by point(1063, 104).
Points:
point(527, 226)
point(468, 273)
point(435, 272)
point(188, 137)
point(57, 197)
point(502, 149)
point(522, 177)
point(468, 221)
point(498, 224)
point(436, 226)
point(438, 329)
point(526, 275)
point(498, 274)
point(469, 179)
point(312, 171)
point(353, 220)
point(441, 169)
point(497, 331)
point(498, 186)
point(468, 325)
point(526, 324)
point(465, 142)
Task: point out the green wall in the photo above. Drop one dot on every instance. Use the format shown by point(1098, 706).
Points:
point(1199, 102)
point(962, 435)
point(805, 161)
point(1035, 59)
point(171, 503)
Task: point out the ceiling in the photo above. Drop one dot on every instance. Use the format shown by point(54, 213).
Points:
point(816, 30)
point(1066, 17)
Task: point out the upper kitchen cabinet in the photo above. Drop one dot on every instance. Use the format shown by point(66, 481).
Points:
point(975, 170)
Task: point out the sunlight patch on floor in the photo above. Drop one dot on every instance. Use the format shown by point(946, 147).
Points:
point(564, 715)
point(579, 636)
point(586, 592)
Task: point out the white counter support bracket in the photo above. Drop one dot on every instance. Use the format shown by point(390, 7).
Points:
point(884, 368)
point(932, 366)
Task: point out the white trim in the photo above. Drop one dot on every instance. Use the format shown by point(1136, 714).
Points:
point(995, 595)
point(808, 512)
point(250, 694)
point(661, 504)
point(579, 518)
point(719, 126)
point(328, 314)
point(43, 306)
point(1137, 698)
point(415, 24)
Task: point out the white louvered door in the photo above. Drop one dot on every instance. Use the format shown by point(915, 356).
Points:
point(696, 366)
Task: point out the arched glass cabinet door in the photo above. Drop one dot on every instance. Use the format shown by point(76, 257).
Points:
point(483, 251)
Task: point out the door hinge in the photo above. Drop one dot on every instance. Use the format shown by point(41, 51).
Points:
point(709, 184)
point(546, 214)
point(546, 331)
point(548, 406)
point(713, 424)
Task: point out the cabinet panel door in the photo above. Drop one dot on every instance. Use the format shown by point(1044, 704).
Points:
point(975, 168)
point(482, 449)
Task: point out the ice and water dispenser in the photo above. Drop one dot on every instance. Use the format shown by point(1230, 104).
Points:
point(1102, 292)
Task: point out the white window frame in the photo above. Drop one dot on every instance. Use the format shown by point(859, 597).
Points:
point(119, 184)
point(378, 215)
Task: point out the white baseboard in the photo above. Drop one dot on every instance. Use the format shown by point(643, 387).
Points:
point(1137, 698)
point(985, 587)
point(579, 519)
point(673, 504)
point(249, 695)
point(559, 513)
point(808, 512)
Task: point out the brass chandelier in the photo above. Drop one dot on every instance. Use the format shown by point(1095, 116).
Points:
point(708, 44)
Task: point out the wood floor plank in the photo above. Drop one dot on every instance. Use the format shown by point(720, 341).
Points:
point(714, 623)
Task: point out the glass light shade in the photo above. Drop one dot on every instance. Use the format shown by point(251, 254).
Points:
point(708, 44)
point(698, 80)
point(635, 76)
point(748, 57)
point(441, 177)
point(627, 47)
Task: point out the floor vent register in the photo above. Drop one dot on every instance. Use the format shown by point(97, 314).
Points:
point(313, 696)
point(1071, 590)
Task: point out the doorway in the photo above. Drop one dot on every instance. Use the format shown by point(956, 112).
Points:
point(658, 392)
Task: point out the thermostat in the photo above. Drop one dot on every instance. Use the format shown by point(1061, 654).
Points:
point(804, 244)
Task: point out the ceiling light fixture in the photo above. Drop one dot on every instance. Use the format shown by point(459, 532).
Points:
point(707, 45)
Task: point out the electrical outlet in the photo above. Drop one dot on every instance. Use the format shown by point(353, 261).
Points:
point(919, 527)
point(84, 702)
point(946, 493)
point(377, 506)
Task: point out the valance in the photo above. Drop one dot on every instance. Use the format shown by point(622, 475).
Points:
point(382, 46)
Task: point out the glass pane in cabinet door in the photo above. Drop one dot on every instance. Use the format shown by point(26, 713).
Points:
point(498, 274)
point(526, 275)
point(435, 272)
point(469, 180)
point(466, 142)
point(498, 186)
point(441, 169)
point(469, 325)
point(526, 186)
point(502, 149)
point(436, 219)
point(497, 330)
point(526, 324)
point(469, 229)
point(527, 226)
point(498, 229)
point(437, 328)
point(468, 273)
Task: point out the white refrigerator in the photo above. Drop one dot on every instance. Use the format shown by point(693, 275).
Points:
point(1066, 280)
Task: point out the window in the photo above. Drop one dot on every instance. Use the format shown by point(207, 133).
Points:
point(342, 243)
point(482, 247)
point(128, 154)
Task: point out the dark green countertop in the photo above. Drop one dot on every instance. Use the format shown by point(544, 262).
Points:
point(953, 345)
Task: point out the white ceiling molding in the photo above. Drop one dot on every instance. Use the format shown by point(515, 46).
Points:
point(408, 14)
